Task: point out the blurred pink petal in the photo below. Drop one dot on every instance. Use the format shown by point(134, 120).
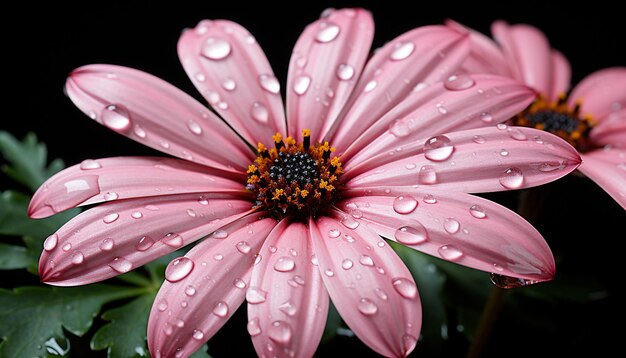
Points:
point(369, 285)
point(473, 161)
point(457, 227)
point(203, 289)
point(117, 237)
point(288, 306)
point(229, 68)
point(157, 114)
point(611, 130)
point(561, 76)
point(420, 57)
point(607, 167)
point(325, 65)
point(601, 92)
point(108, 179)
point(482, 100)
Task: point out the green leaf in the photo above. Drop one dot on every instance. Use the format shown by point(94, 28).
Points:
point(125, 335)
point(30, 316)
point(27, 160)
point(15, 257)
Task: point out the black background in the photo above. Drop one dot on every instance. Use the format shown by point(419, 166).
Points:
point(583, 225)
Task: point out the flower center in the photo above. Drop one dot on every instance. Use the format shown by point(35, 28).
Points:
point(560, 119)
point(294, 179)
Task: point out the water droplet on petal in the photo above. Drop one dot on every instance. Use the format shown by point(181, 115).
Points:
point(109, 218)
point(345, 72)
point(402, 50)
point(328, 32)
point(259, 112)
point(501, 126)
point(451, 226)
point(508, 282)
point(243, 247)
point(239, 283)
point(220, 309)
point(190, 290)
point(411, 234)
point(216, 49)
point(168, 329)
point(78, 258)
point(110, 196)
point(438, 148)
point(429, 199)
point(367, 307)
point(381, 294)
point(203, 200)
point(89, 164)
point(218, 257)
point(329, 272)
point(459, 82)
point(420, 86)
point(121, 265)
point(67, 247)
point(136, 215)
point(486, 117)
point(400, 129)
point(365, 260)
point(116, 117)
point(144, 243)
point(478, 139)
point(408, 342)
point(349, 222)
point(51, 242)
point(512, 178)
point(404, 204)
point(427, 175)
point(198, 335)
point(450, 252)
point(162, 305)
point(288, 308)
point(334, 233)
point(498, 267)
point(477, 211)
point(172, 240)
point(178, 269)
point(269, 83)
point(284, 264)
point(229, 84)
point(255, 295)
point(301, 84)
point(279, 332)
point(254, 329)
point(370, 86)
point(191, 213)
point(347, 264)
point(194, 127)
point(107, 244)
point(220, 234)
point(405, 287)
point(200, 77)
point(516, 134)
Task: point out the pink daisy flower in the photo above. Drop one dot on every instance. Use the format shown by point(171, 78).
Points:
point(592, 118)
point(298, 220)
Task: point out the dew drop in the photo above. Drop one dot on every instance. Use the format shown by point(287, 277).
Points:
point(404, 204)
point(369, 87)
point(190, 290)
point(438, 148)
point(429, 199)
point(550, 166)
point(198, 335)
point(178, 269)
point(67, 247)
point(78, 258)
point(508, 282)
point(408, 342)
point(200, 77)
point(194, 127)
point(284, 264)
point(365, 260)
point(220, 309)
point(301, 84)
point(451, 226)
point(411, 234)
point(329, 272)
point(107, 244)
point(328, 32)
point(136, 215)
point(367, 307)
point(255, 295)
point(144, 243)
point(89, 164)
point(402, 50)
point(498, 267)
point(486, 117)
point(450, 252)
point(172, 240)
point(110, 196)
point(459, 82)
point(478, 139)
point(121, 265)
point(516, 134)
point(162, 305)
point(109, 218)
point(405, 287)
point(381, 294)
point(400, 129)
point(512, 178)
point(191, 213)
point(216, 49)
point(504, 152)
point(239, 283)
point(427, 175)
point(269, 83)
point(345, 72)
point(203, 200)
point(288, 308)
point(279, 332)
point(347, 264)
point(51, 242)
point(349, 222)
point(334, 233)
point(254, 329)
point(243, 247)
point(477, 211)
point(229, 84)
point(501, 126)
point(116, 117)
point(219, 234)
point(259, 112)
point(218, 257)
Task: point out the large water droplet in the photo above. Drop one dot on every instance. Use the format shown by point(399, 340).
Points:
point(459, 82)
point(51, 242)
point(269, 83)
point(194, 127)
point(116, 117)
point(367, 307)
point(400, 129)
point(109, 218)
point(67, 247)
point(516, 134)
point(220, 309)
point(198, 335)
point(430, 199)
point(451, 226)
point(404, 204)
point(136, 215)
point(172, 240)
point(347, 264)
point(243, 247)
point(427, 175)
point(109, 196)
point(365, 260)
point(284, 264)
point(405, 287)
point(438, 148)
point(78, 258)
point(345, 72)
point(255, 295)
point(450, 252)
point(178, 269)
point(402, 50)
point(121, 265)
point(328, 32)
point(107, 244)
point(477, 211)
point(301, 84)
point(334, 233)
point(254, 329)
point(288, 308)
point(486, 117)
point(259, 112)
point(89, 164)
point(144, 243)
point(508, 282)
point(219, 234)
point(350, 222)
point(512, 178)
point(280, 332)
point(412, 234)
point(216, 48)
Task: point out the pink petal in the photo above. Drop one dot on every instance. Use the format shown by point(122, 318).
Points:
point(157, 114)
point(205, 288)
point(485, 56)
point(607, 167)
point(484, 100)
point(601, 93)
point(368, 283)
point(116, 237)
point(230, 70)
point(611, 130)
point(95, 181)
point(473, 161)
point(288, 306)
point(325, 66)
point(457, 227)
point(561, 76)
point(417, 58)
